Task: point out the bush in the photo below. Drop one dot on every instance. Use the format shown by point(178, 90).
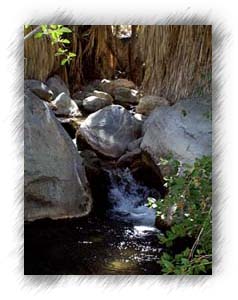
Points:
point(188, 206)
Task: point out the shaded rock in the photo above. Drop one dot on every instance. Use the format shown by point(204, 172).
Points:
point(65, 106)
point(98, 179)
point(145, 170)
point(109, 86)
point(84, 100)
point(128, 157)
point(39, 89)
point(183, 130)
point(55, 183)
point(94, 103)
point(70, 125)
point(125, 96)
point(108, 98)
point(134, 144)
point(57, 85)
point(109, 130)
point(148, 103)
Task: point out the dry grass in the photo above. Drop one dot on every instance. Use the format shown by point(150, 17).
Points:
point(178, 60)
point(39, 57)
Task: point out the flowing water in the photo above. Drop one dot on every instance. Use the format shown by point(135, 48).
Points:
point(122, 241)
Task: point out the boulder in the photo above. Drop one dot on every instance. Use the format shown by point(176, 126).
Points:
point(57, 85)
point(129, 157)
point(65, 106)
point(70, 125)
point(55, 184)
point(125, 96)
point(109, 130)
point(108, 98)
point(109, 86)
point(134, 144)
point(39, 89)
point(148, 103)
point(183, 130)
point(94, 103)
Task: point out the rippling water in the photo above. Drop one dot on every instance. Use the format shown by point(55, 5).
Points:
point(123, 241)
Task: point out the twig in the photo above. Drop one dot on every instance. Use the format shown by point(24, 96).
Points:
point(30, 34)
point(197, 240)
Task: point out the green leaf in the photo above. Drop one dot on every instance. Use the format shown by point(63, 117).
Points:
point(64, 61)
point(65, 30)
point(53, 26)
point(71, 54)
point(65, 41)
point(38, 35)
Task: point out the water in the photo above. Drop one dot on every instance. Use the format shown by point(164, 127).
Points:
point(123, 241)
point(129, 197)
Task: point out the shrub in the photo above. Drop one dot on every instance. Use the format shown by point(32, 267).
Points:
point(189, 204)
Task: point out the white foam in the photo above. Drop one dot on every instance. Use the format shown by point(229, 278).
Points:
point(129, 198)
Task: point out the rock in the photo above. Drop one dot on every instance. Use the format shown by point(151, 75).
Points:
point(80, 95)
point(39, 89)
point(65, 106)
point(109, 86)
point(148, 103)
point(134, 144)
point(109, 130)
point(94, 103)
point(55, 184)
point(108, 98)
point(70, 125)
point(125, 96)
point(57, 85)
point(98, 179)
point(127, 158)
point(183, 130)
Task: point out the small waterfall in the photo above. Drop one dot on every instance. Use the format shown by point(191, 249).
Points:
point(128, 198)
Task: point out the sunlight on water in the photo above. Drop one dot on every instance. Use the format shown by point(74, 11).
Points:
point(129, 198)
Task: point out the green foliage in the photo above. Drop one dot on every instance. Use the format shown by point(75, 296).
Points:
point(188, 204)
point(56, 34)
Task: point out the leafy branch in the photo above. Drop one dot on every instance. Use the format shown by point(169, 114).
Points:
point(56, 33)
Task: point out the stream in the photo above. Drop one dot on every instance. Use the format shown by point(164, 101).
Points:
point(123, 241)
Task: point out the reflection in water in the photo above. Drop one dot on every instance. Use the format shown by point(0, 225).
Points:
point(124, 241)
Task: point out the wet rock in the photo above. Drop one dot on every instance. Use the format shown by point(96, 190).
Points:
point(109, 130)
point(55, 183)
point(148, 103)
point(183, 130)
point(125, 96)
point(65, 106)
point(57, 85)
point(39, 89)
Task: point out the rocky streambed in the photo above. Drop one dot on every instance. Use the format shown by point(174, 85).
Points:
point(91, 162)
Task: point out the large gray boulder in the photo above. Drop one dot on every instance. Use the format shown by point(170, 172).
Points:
point(55, 184)
point(39, 89)
point(65, 106)
point(57, 85)
point(109, 130)
point(183, 130)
